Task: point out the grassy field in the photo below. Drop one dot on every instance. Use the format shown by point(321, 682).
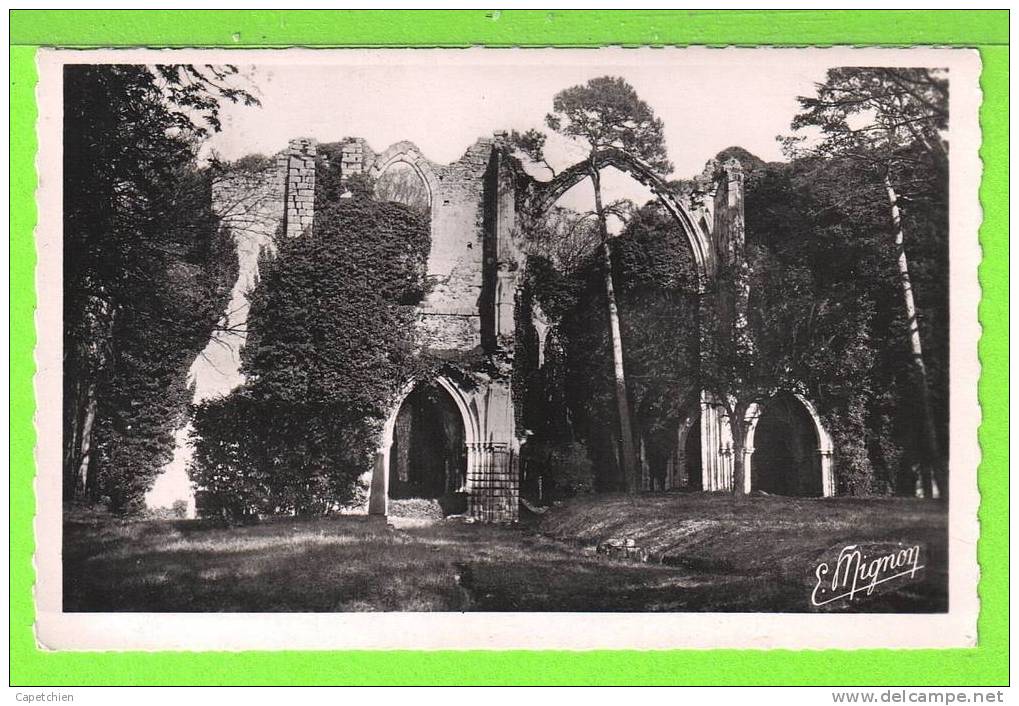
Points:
point(699, 554)
point(762, 554)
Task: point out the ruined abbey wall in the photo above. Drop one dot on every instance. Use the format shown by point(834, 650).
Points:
point(468, 308)
point(477, 206)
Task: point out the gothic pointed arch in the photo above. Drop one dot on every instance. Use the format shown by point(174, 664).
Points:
point(821, 453)
point(378, 503)
point(546, 194)
point(407, 153)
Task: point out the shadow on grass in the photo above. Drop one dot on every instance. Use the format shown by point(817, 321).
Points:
point(706, 556)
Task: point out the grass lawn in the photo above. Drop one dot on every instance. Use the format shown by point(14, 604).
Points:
point(703, 554)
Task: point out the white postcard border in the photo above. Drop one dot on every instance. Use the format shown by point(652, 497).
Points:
point(571, 631)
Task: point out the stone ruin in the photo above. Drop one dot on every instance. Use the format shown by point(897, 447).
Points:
point(479, 206)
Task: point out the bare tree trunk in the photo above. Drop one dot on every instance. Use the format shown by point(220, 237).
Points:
point(91, 355)
point(930, 440)
point(72, 427)
point(738, 428)
point(628, 451)
point(83, 482)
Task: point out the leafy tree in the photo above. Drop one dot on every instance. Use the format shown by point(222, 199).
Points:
point(607, 114)
point(260, 457)
point(748, 363)
point(891, 124)
point(532, 144)
point(145, 264)
point(821, 265)
point(658, 291)
point(181, 289)
point(331, 315)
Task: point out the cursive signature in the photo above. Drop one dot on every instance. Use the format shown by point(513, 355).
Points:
point(855, 573)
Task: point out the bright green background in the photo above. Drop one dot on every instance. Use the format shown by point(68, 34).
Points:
point(987, 30)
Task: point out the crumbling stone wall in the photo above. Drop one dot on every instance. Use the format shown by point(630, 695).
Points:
point(477, 206)
point(300, 186)
point(251, 205)
point(451, 314)
point(467, 311)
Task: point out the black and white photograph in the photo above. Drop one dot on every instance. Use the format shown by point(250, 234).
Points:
point(645, 347)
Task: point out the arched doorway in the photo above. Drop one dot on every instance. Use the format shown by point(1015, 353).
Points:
point(790, 451)
point(429, 447)
point(428, 458)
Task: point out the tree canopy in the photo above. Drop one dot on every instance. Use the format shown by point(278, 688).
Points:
point(880, 109)
point(146, 266)
point(885, 131)
point(606, 112)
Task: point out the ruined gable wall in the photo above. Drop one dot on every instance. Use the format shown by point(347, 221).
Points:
point(250, 204)
point(450, 315)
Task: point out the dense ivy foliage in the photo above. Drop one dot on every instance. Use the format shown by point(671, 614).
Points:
point(329, 341)
point(882, 157)
point(258, 457)
point(145, 396)
point(329, 320)
point(810, 314)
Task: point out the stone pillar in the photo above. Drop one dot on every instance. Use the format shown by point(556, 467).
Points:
point(827, 479)
point(729, 229)
point(493, 482)
point(716, 447)
point(540, 323)
point(711, 444)
point(510, 259)
point(351, 160)
point(748, 469)
point(725, 468)
point(505, 290)
point(494, 494)
point(730, 242)
point(300, 186)
point(378, 496)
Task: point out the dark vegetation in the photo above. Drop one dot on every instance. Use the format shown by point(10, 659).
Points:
point(148, 273)
point(826, 318)
point(147, 270)
point(824, 310)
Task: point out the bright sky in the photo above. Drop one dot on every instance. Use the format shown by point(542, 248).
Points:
point(443, 100)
